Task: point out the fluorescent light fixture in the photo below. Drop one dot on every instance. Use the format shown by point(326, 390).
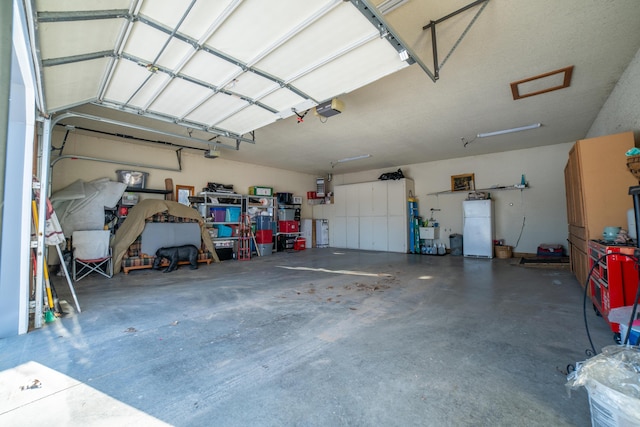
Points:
point(502, 132)
point(389, 5)
point(350, 159)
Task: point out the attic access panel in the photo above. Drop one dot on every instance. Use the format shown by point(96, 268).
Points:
point(220, 67)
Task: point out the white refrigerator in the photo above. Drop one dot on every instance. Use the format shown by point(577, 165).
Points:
point(478, 229)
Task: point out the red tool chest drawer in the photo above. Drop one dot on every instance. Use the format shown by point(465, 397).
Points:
point(614, 281)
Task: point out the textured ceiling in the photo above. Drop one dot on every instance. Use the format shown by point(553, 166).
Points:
point(232, 67)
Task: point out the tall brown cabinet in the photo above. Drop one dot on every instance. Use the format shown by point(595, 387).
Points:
point(597, 185)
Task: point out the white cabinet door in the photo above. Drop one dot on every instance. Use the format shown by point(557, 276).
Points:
point(338, 232)
point(352, 202)
point(365, 199)
point(371, 216)
point(353, 232)
point(379, 200)
point(397, 234)
point(366, 233)
point(379, 233)
point(340, 198)
point(396, 197)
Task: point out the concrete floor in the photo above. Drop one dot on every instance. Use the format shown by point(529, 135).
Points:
point(310, 338)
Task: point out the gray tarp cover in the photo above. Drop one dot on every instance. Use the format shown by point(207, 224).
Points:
point(132, 227)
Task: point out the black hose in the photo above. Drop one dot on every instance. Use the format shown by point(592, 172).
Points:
point(633, 316)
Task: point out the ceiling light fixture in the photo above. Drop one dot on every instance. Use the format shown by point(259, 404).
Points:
point(389, 5)
point(502, 132)
point(350, 159)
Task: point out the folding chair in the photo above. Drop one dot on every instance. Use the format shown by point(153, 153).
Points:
point(91, 253)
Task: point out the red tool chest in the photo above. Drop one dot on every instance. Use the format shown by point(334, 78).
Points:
point(614, 281)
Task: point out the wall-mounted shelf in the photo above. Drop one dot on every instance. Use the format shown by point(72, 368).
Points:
point(147, 190)
point(500, 188)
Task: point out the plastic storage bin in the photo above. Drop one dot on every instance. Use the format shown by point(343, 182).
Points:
point(263, 222)
point(286, 214)
point(224, 231)
point(260, 191)
point(264, 236)
point(218, 214)
point(265, 248)
point(233, 215)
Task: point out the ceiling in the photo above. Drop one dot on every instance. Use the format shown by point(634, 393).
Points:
point(239, 74)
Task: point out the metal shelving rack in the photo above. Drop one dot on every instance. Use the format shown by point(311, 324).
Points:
point(222, 200)
point(259, 205)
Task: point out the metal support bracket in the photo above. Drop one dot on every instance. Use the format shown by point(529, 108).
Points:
point(434, 43)
point(387, 32)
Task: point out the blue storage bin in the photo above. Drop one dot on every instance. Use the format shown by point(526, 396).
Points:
point(224, 231)
point(233, 215)
point(263, 222)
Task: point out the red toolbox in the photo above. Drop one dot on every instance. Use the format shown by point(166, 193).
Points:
point(264, 236)
point(288, 226)
point(300, 244)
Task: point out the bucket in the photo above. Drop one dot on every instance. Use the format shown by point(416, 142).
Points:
point(455, 243)
point(503, 252)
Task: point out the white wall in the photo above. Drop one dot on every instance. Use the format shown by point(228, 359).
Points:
point(542, 207)
point(621, 112)
point(197, 171)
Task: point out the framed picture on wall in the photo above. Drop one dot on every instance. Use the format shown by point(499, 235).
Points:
point(182, 194)
point(464, 182)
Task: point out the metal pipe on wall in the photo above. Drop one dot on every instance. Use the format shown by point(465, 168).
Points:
point(117, 162)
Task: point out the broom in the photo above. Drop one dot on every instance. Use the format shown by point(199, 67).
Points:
point(49, 317)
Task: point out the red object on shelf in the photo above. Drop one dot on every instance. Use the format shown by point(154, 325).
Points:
point(312, 195)
point(288, 226)
point(614, 281)
point(264, 236)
